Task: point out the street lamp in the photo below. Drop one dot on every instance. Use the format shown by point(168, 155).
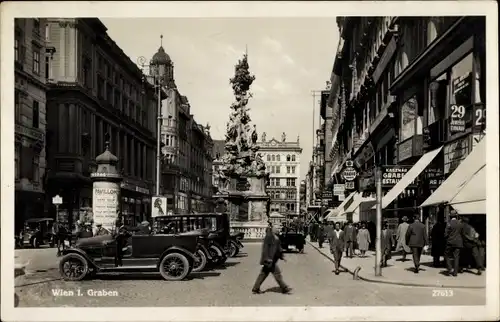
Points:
point(159, 75)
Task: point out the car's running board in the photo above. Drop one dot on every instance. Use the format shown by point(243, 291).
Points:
point(128, 267)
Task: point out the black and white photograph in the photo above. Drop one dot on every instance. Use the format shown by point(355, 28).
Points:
point(237, 161)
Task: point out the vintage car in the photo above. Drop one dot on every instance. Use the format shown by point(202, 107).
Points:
point(171, 255)
point(219, 238)
point(37, 232)
point(202, 254)
point(235, 243)
point(292, 239)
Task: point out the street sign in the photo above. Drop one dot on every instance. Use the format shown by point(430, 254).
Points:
point(349, 174)
point(350, 185)
point(338, 189)
point(57, 200)
point(457, 118)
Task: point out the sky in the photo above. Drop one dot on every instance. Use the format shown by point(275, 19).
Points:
point(290, 57)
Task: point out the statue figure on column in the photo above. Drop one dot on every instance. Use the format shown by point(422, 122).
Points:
point(283, 137)
point(263, 137)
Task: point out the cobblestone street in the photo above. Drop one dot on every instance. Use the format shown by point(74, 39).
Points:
point(309, 275)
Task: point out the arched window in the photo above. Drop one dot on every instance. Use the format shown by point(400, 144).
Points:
point(431, 31)
point(277, 157)
point(274, 157)
point(293, 157)
point(288, 158)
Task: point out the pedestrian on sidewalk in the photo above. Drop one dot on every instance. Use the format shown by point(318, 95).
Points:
point(471, 244)
point(416, 239)
point(454, 234)
point(401, 238)
point(321, 235)
point(363, 239)
point(336, 239)
point(387, 242)
point(438, 241)
point(350, 237)
point(271, 253)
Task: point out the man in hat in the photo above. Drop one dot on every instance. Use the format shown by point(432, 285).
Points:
point(416, 239)
point(100, 231)
point(401, 238)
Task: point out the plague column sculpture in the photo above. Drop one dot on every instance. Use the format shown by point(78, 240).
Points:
point(243, 175)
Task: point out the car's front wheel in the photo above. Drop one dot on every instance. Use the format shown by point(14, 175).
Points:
point(200, 261)
point(233, 249)
point(174, 267)
point(73, 267)
point(35, 243)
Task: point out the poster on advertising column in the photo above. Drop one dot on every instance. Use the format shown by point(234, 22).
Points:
point(105, 203)
point(159, 207)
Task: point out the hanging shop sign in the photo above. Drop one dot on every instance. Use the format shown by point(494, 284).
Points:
point(350, 185)
point(349, 173)
point(457, 118)
point(479, 118)
point(392, 174)
point(338, 189)
point(327, 195)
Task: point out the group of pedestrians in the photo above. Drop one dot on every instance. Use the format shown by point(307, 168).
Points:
point(452, 240)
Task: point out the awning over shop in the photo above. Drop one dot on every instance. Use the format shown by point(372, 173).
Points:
point(462, 174)
point(340, 209)
point(409, 177)
point(471, 199)
point(357, 201)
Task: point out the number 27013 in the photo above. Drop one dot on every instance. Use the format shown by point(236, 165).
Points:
point(442, 293)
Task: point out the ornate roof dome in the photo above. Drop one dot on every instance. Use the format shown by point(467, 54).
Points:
point(161, 57)
point(106, 158)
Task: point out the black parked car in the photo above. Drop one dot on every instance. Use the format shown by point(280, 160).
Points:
point(36, 232)
point(171, 255)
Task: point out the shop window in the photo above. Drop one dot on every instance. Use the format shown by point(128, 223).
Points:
point(461, 82)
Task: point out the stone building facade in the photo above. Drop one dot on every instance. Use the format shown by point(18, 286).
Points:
point(400, 82)
point(282, 160)
point(96, 93)
point(30, 118)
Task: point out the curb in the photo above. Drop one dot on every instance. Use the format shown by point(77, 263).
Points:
point(355, 273)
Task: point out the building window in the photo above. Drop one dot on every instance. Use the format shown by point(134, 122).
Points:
point(288, 169)
point(47, 32)
point(36, 168)
point(293, 169)
point(293, 157)
point(274, 157)
point(100, 87)
point(288, 158)
point(409, 116)
point(17, 102)
point(36, 114)
point(17, 161)
point(36, 26)
point(268, 157)
point(36, 61)
point(461, 82)
point(278, 169)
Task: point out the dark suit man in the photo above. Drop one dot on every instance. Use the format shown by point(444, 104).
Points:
point(454, 234)
point(271, 253)
point(416, 238)
point(350, 237)
point(321, 235)
point(471, 244)
point(386, 242)
point(337, 242)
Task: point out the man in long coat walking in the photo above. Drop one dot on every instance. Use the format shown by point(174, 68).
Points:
point(416, 238)
point(401, 238)
point(271, 253)
point(336, 240)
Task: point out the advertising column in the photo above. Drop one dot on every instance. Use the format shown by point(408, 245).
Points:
point(106, 190)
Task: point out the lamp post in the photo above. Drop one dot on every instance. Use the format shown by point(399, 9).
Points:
point(157, 76)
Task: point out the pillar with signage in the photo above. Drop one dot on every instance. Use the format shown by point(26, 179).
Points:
point(106, 190)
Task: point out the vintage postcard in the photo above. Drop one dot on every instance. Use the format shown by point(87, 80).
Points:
point(237, 161)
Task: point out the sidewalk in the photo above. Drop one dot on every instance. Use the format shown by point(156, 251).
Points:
point(401, 273)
